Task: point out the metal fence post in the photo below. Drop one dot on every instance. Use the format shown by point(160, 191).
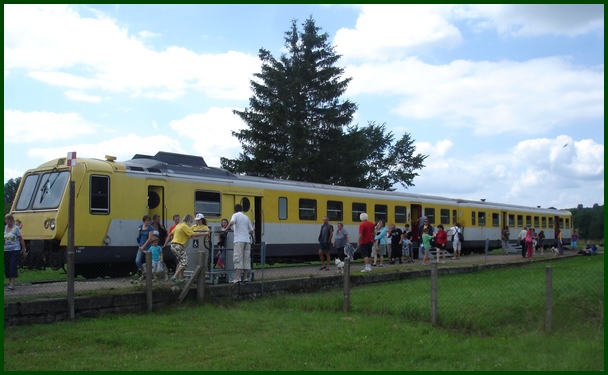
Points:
point(549, 298)
point(346, 284)
point(149, 300)
point(434, 293)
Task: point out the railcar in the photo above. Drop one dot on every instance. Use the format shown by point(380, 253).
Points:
point(111, 198)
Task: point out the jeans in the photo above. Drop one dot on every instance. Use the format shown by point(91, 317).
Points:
point(139, 259)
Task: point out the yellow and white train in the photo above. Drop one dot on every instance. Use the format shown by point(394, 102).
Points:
point(111, 198)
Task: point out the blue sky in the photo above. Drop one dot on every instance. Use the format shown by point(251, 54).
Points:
point(507, 100)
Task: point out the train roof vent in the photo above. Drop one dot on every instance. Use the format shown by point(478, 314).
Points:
point(154, 170)
point(180, 159)
point(140, 169)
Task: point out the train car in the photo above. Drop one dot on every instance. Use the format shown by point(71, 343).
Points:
point(112, 197)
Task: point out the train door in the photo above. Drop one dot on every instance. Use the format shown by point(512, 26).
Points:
point(416, 213)
point(156, 203)
point(252, 207)
point(556, 227)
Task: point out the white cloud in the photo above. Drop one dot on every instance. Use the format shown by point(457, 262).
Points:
point(528, 174)
point(536, 19)
point(488, 97)
point(211, 133)
point(388, 31)
point(44, 126)
point(82, 97)
point(62, 48)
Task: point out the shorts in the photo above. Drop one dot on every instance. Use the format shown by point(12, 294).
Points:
point(180, 255)
point(573, 243)
point(366, 249)
point(325, 247)
point(157, 266)
point(457, 245)
point(242, 256)
point(406, 251)
point(382, 249)
point(505, 244)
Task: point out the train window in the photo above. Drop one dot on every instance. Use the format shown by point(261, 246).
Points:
point(50, 191)
point(430, 214)
point(511, 220)
point(528, 221)
point(543, 221)
point(550, 222)
point(381, 212)
point(208, 203)
point(246, 204)
point(282, 208)
point(536, 222)
point(567, 223)
point(27, 192)
point(481, 219)
point(453, 216)
point(334, 211)
point(520, 220)
point(473, 218)
point(358, 209)
point(400, 214)
point(100, 195)
point(561, 223)
point(153, 199)
point(495, 219)
point(308, 209)
point(444, 216)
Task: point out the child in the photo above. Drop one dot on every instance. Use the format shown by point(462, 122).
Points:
point(157, 261)
point(407, 249)
point(426, 242)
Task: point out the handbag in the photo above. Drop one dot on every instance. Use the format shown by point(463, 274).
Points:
point(460, 235)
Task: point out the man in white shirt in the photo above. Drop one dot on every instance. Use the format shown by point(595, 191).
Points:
point(242, 244)
point(521, 240)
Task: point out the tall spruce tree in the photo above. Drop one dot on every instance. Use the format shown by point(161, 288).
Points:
point(295, 117)
point(298, 128)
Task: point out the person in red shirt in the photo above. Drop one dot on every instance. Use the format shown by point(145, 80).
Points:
point(441, 239)
point(366, 241)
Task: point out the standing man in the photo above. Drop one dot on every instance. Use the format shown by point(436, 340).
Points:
point(521, 240)
point(366, 241)
point(325, 236)
point(242, 244)
point(175, 222)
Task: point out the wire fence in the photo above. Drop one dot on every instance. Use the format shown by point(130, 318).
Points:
point(451, 294)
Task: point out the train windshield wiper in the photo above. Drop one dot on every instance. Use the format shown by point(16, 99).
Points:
point(46, 187)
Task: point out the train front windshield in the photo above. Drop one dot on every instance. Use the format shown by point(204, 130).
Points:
point(42, 191)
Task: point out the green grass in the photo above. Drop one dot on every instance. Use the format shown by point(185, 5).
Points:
point(490, 320)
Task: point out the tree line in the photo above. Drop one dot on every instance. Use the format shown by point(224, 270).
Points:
point(589, 221)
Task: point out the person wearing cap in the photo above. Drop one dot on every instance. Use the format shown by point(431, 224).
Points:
point(157, 257)
point(180, 236)
point(200, 224)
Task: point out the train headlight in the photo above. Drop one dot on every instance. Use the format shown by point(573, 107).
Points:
point(52, 224)
point(106, 241)
point(47, 224)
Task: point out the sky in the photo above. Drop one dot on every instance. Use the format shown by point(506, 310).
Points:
point(507, 101)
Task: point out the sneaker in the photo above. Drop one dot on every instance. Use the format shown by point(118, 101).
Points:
point(374, 265)
point(235, 281)
point(174, 279)
point(246, 281)
point(364, 270)
point(10, 287)
point(323, 268)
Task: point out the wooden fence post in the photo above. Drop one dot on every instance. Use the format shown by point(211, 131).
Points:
point(433, 292)
point(346, 284)
point(549, 299)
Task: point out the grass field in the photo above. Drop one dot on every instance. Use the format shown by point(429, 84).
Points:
point(483, 325)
